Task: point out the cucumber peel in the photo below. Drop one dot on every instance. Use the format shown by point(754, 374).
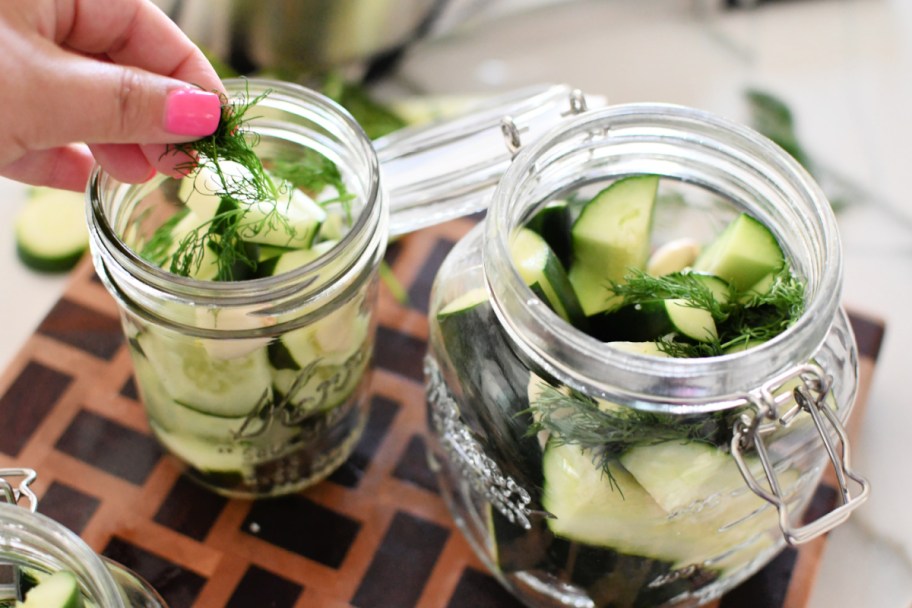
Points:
point(50, 230)
point(610, 237)
point(59, 590)
point(742, 254)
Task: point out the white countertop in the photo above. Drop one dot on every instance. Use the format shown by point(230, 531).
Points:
point(845, 69)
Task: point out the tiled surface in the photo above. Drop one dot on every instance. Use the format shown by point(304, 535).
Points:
point(374, 535)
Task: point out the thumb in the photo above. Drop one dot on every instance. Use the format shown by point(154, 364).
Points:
point(103, 102)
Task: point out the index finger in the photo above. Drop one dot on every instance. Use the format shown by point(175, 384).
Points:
point(135, 33)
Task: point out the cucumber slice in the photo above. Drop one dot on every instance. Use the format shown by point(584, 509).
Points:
point(742, 254)
point(202, 191)
point(651, 321)
point(318, 367)
point(221, 387)
point(630, 520)
point(59, 590)
point(626, 518)
point(695, 323)
point(51, 233)
point(701, 484)
point(292, 221)
point(204, 455)
point(553, 222)
point(610, 237)
point(489, 372)
point(300, 257)
point(758, 289)
point(463, 303)
point(545, 275)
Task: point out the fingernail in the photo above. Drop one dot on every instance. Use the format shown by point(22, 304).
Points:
point(192, 112)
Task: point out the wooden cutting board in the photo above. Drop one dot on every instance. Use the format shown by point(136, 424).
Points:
point(376, 534)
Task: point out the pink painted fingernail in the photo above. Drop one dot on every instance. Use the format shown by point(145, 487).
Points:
point(192, 112)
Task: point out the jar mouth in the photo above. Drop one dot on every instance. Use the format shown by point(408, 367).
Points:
point(28, 538)
point(692, 146)
point(283, 102)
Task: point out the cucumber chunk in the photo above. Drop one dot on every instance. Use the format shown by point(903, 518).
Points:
point(51, 234)
point(655, 319)
point(626, 518)
point(610, 237)
point(545, 275)
point(697, 482)
point(300, 257)
point(463, 303)
point(553, 222)
point(742, 254)
point(221, 387)
point(59, 590)
point(695, 323)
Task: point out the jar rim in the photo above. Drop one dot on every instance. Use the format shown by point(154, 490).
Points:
point(642, 381)
point(370, 221)
point(43, 534)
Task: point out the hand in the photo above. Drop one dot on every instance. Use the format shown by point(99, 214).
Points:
point(117, 75)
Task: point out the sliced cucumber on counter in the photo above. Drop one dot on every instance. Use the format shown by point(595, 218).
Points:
point(51, 233)
point(610, 237)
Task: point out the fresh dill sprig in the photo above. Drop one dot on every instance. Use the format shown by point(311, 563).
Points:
point(223, 233)
point(157, 249)
point(641, 288)
point(607, 432)
point(742, 317)
point(231, 141)
point(764, 316)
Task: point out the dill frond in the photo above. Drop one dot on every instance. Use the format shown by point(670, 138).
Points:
point(607, 432)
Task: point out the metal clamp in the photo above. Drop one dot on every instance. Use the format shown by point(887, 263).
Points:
point(809, 396)
point(13, 494)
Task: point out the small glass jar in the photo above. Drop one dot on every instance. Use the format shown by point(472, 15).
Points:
point(33, 546)
point(721, 454)
point(212, 358)
point(259, 386)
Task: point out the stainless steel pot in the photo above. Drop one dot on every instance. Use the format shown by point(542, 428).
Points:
point(293, 37)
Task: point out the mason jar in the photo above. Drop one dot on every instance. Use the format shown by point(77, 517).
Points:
point(259, 386)
point(660, 481)
point(34, 546)
point(245, 418)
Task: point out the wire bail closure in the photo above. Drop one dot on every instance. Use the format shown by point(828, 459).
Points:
point(13, 494)
point(809, 396)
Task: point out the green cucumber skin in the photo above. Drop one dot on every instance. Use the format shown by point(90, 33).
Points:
point(610, 237)
point(50, 231)
point(58, 590)
point(42, 263)
point(553, 223)
point(490, 374)
point(543, 272)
